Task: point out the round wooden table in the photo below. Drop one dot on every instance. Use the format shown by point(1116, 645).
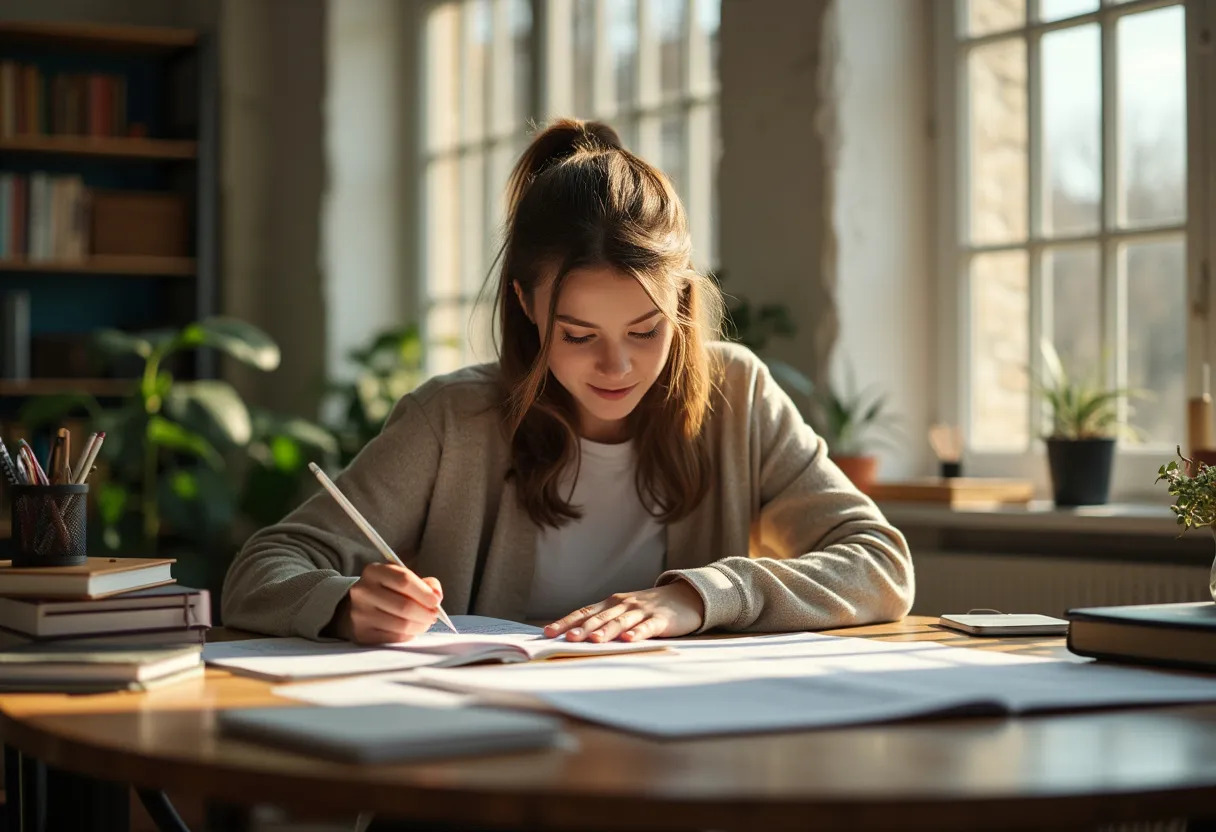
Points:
point(1058, 771)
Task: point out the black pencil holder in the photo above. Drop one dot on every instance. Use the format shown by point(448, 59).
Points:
point(49, 525)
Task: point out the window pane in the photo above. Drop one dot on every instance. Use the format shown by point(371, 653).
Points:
point(521, 48)
point(669, 26)
point(1152, 117)
point(443, 77)
point(1072, 130)
point(445, 337)
point(1000, 303)
point(623, 40)
point(1072, 289)
point(985, 16)
point(443, 228)
point(709, 17)
point(583, 42)
point(473, 204)
point(673, 152)
point(474, 108)
point(1155, 272)
point(1050, 10)
point(997, 108)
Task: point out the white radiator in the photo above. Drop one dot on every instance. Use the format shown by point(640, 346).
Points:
point(960, 581)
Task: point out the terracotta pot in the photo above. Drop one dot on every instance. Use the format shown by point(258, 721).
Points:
point(862, 470)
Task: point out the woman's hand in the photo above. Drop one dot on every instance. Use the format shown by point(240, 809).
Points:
point(388, 603)
point(674, 609)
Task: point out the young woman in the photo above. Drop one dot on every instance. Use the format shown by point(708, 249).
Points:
point(614, 473)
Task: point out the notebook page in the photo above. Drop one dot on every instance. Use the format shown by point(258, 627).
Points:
point(524, 645)
point(298, 658)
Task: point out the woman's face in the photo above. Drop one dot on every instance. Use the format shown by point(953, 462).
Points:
point(610, 344)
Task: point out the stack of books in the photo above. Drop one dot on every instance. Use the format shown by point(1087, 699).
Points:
point(108, 624)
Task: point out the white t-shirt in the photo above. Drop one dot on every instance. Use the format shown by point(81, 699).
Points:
point(616, 546)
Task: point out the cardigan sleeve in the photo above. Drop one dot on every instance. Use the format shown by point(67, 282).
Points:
point(288, 578)
point(822, 556)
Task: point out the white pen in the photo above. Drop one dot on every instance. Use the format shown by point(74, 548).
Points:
point(367, 529)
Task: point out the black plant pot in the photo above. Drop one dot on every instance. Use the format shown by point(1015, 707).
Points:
point(1080, 470)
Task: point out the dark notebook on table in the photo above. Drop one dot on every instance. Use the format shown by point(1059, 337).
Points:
point(1174, 635)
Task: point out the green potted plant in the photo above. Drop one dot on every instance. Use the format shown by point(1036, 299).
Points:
point(187, 455)
point(1085, 427)
point(1194, 499)
point(387, 368)
point(852, 421)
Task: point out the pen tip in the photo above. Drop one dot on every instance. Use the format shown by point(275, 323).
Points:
point(312, 466)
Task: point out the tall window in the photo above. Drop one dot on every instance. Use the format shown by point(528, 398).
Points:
point(1071, 208)
point(496, 68)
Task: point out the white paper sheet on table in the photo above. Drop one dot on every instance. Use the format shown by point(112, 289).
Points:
point(810, 680)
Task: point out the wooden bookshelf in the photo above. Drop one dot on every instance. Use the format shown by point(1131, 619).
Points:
point(109, 264)
point(100, 387)
point(112, 147)
point(98, 37)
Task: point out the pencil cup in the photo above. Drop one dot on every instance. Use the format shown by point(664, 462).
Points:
point(49, 525)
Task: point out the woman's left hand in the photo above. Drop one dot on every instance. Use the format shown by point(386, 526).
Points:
point(663, 612)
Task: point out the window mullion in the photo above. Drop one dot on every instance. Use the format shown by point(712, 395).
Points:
point(1039, 304)
point(1113, 324)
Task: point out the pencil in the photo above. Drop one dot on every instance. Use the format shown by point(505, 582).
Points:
point(383, 548)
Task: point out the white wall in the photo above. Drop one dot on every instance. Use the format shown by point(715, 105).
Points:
point(774, 184)
point(272, 86)
point(881, 215)
point(369, 232)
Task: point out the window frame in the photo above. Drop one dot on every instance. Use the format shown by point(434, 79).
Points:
point(1135, 467)
point(552, 93)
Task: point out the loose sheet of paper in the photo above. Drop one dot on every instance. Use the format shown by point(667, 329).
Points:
point(371, 690)
point(810, 680)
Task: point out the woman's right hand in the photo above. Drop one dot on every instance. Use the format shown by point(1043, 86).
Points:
point(388, 603)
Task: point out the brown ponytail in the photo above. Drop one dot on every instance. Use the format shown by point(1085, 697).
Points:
point(576, 199)
point(560, 140)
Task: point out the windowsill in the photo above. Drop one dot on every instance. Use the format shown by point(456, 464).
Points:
point(1038, 516)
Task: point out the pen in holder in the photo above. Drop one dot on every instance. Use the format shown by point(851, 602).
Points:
point(49, 524)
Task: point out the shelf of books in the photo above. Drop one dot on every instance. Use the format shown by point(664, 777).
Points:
point(108, 171)
point(108, 202)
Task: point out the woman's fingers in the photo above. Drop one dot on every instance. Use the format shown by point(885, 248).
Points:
point(649, 628)
point(593, 622)
point(435, 586)
point(404, 582)
point(629, 617)
point(374, 626)
point(571, 624)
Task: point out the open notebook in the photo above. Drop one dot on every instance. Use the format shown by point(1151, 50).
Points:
point(480, 640)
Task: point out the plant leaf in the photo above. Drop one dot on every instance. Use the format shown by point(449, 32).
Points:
point(239, 339)
point(114, 343)
point(210, 406)
point(175, 437)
